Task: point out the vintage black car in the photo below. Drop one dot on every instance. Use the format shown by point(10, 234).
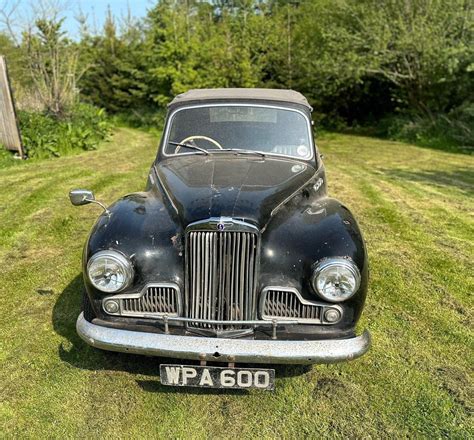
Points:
point(234, 252)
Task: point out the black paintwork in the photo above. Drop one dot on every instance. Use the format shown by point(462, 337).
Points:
point(285, 198)
point(223, 184)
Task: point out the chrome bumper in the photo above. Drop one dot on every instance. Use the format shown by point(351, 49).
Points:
point(223, 350)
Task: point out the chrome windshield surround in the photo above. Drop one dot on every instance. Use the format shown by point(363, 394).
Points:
point(237, 104)
point(322, 307)
point(173, 289)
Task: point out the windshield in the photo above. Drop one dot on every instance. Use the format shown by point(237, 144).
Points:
point(244, 128)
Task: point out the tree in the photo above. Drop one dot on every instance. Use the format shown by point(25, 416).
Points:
point(421, 48)
point(199, 44)
point(14, 56)
point(115, 67)
point(53, 65)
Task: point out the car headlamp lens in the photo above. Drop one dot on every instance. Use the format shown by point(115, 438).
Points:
point(336, 279)
point(109, 271)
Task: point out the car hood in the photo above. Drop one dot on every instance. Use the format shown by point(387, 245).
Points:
point(228, 185)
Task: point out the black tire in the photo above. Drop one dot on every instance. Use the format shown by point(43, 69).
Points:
point(89, 314)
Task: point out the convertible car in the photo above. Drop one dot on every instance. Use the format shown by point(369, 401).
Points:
point(233, 253)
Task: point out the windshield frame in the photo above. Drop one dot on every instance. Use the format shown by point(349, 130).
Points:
point(171, 116)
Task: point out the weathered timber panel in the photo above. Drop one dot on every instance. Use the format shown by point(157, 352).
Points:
point(9, 132)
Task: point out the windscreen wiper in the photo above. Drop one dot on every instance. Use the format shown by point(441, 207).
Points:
point(239, 151)
point(193, 147)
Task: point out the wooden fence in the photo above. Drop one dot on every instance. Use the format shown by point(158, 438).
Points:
point(10, 136)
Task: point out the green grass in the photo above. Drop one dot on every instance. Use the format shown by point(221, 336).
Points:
point(415, 208)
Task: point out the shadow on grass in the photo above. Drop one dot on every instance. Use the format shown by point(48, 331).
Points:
point(462, 178)
point(80, 355)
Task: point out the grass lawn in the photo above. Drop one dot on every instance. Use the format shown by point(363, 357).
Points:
point(415, 207)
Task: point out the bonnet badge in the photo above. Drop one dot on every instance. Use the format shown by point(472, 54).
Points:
point(220, 226)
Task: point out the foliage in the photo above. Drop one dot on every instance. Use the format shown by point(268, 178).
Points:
point(359, 62)
point(440, 131)
point(114, 75)
point(198, 45)
point(6, 157)
point(145, 119)
point(60, 124)
point(412, 56)
point(46, 136)
point(52, 62)
point(15, 58)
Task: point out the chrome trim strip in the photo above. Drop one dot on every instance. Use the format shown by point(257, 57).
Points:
point(257, 322)
point(302, 300)
point(230, 225)
point(140, 294)
point(236, 104)
point(223, 350)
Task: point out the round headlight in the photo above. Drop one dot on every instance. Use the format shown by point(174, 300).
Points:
point(109, 271)
point(336, 279)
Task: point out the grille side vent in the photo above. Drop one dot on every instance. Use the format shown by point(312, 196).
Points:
point(279, 302)
point(155, 300)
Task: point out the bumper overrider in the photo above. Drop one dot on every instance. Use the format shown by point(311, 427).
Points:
point(221, 349)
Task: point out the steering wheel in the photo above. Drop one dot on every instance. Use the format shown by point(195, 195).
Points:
point(191, 138)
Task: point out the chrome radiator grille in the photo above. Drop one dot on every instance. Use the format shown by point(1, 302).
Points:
point(155, 300)
point(280, 303)
point(221, 276)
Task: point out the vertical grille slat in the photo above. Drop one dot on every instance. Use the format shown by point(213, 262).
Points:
point(221, 295)
point(221, 271)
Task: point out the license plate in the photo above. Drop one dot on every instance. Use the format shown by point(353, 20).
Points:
point(217, 377)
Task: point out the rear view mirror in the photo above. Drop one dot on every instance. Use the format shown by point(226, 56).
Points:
point(80, 197)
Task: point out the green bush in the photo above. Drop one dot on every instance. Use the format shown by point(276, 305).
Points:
point(45, 136)
point(150, 120)
point(451, 131)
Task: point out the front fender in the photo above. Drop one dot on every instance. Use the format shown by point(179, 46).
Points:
point(298, 237)
point(141, 227)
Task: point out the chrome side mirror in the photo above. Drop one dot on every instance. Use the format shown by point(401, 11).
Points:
point(80, 197)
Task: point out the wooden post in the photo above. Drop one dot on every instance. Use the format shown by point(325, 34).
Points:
point(10, 136)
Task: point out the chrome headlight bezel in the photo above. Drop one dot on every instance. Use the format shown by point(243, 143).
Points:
point(119, 259)
point(330, 263)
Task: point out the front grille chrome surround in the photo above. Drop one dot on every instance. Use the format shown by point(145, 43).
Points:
point(283, 303)
point(222, 259)
point(153, 301)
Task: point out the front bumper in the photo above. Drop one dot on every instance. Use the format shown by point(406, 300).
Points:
point(223, 350)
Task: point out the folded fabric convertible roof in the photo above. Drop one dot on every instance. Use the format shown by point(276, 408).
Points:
point(275, 95)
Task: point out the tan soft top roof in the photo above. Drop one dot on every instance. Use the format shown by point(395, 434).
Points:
point(276, 95)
